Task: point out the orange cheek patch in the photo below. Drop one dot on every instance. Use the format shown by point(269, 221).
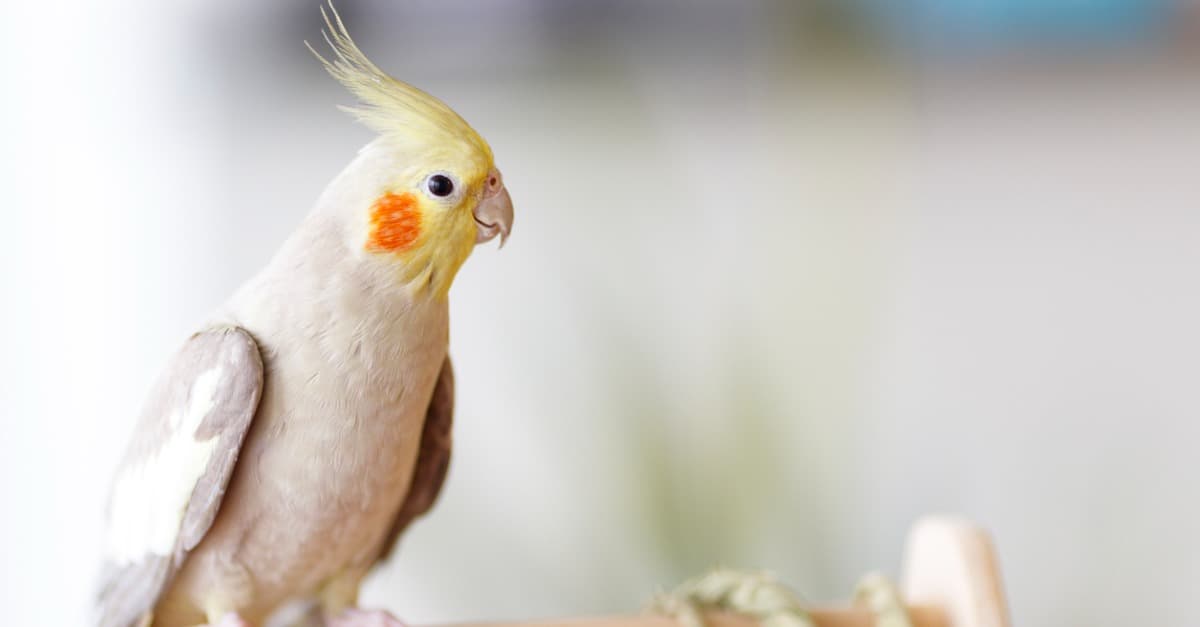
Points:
point(395, 223)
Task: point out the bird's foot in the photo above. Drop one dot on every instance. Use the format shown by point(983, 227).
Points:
point(364, 618)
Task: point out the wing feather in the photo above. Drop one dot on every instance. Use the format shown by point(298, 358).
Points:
point(169, 486)
point(433, 461)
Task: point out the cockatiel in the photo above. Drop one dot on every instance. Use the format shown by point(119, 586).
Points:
point(291, 440)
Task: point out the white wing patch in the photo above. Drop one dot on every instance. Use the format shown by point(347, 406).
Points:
point(149, 498)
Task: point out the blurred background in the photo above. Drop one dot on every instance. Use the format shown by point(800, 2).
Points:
point(785, 276)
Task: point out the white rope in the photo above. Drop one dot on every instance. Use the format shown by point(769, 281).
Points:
point(760, 596)
point(876, 593)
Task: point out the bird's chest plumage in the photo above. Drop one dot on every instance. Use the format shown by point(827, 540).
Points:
point(340, 446)
point(330, 455)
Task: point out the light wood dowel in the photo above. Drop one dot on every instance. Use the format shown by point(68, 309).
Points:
point(827, 617)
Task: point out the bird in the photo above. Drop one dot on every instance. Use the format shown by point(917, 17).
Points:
point(292, 438)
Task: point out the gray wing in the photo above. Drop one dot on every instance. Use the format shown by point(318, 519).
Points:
point(169, 486)
point(432, 462)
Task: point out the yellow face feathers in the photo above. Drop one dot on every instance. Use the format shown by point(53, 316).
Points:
point(429, 237)
point(423, 215)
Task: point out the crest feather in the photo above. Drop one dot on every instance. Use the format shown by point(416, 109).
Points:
point(389, 106)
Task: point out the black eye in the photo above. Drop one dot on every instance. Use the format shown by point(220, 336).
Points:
point(440, 185)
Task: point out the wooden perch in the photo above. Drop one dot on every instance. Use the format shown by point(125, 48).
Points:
point(951, 579)
point(827, 617)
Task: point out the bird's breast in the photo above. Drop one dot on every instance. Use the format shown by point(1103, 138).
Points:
point(330, 455)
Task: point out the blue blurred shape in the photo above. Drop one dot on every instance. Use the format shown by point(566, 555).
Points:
point(1007, 23)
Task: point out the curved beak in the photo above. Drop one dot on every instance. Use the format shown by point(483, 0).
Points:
point(494, 213)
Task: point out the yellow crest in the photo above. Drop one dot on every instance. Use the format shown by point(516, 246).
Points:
point(393, 108)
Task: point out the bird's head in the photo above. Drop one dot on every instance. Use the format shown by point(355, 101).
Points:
point(432, 190)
